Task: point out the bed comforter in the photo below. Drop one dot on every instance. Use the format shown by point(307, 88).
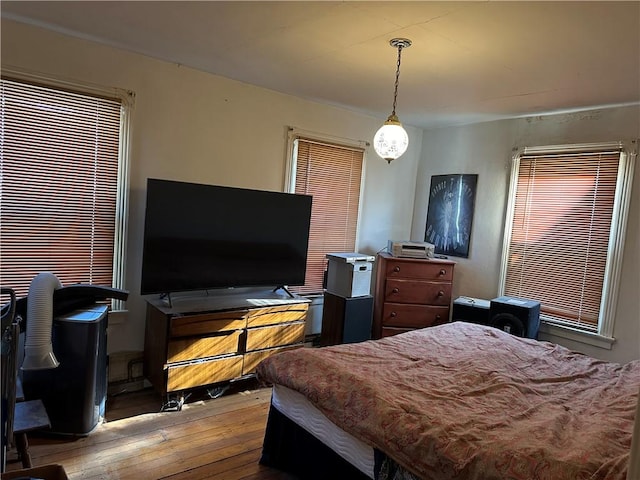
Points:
point(464, 401)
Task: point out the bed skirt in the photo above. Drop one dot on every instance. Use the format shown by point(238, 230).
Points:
point(290, 448)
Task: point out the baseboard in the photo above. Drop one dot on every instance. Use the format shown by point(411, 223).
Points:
point(117, 388)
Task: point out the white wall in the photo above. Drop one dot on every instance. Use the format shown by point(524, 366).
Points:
point(486, 149)
point(193, 126)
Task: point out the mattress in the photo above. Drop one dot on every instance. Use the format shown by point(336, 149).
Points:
point(299, 410)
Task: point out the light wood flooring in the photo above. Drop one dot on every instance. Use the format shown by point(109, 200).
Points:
point(217, 438)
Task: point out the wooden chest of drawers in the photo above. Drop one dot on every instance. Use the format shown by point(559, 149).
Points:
point(186, 348)
point(410, 293)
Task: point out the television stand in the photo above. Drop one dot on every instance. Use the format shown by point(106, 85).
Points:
point(200, 340)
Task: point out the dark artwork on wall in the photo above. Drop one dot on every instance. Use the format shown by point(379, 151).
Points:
point(450, 213)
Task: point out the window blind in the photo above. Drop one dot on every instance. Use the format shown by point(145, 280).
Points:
point(332, 175)
point(58, 185)
point(557, 252)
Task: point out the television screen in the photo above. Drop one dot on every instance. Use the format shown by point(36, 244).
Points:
point(199, 237)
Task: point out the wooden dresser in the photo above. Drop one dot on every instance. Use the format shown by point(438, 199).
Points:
point(410, 293)
point(203, 341)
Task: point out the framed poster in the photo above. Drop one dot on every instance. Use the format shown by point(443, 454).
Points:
point(450, 213)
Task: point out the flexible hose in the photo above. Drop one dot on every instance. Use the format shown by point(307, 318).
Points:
point(38, 349)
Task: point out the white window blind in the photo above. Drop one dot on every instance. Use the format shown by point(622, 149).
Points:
point(58, 185)
point(563, 235)
point(332, 175)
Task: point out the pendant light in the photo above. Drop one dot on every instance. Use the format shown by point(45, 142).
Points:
point(391, 140)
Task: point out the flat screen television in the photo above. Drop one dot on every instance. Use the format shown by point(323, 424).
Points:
point(200, 237)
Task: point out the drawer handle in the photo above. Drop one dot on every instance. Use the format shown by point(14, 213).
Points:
point(440, 293)
point(396, 268)
point(395, 290)
point(443, 272)
point(393, 314)
point(438, 316)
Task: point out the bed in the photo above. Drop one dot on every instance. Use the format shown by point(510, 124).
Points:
point(456, 401)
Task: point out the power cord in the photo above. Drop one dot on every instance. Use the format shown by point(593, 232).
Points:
point(174, 405)
point(382, 249)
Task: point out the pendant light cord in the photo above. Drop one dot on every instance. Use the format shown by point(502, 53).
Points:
point(395, 92)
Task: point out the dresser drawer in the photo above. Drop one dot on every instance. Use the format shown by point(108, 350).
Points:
point(413, 316)
point(184, 349)
point(389, 331)
point(273, 336)
point(180, 377)
point(419, 270)
point(252, 359)
point(202, 324)
point(275, 315)
point(415, 291)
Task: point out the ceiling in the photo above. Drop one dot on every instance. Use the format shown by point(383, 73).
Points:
point(469, 62)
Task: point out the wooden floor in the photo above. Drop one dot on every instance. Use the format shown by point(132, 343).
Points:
point(217, 438)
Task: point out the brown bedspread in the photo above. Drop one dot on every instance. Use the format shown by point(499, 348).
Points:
point(463, 401)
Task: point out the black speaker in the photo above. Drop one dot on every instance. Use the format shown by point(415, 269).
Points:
point(518, 316)
point(473, 310)
point(346, 319)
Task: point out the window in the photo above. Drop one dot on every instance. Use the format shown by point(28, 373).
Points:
point(62, 190)
point(565, 232)
point(332, 173)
